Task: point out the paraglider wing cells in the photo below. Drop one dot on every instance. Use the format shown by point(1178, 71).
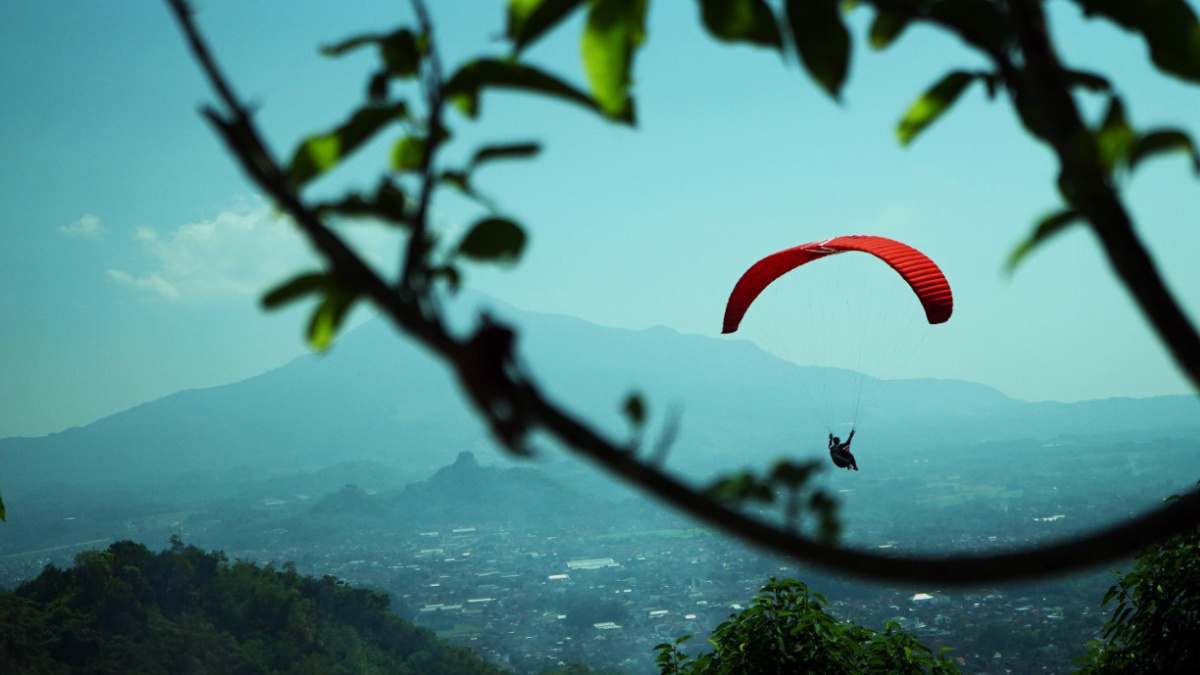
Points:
point(921, 273)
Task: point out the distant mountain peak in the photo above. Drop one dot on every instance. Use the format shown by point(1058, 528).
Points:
point(467, 492)
point(348, 500)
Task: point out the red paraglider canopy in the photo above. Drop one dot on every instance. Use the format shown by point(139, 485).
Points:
point(926, 280)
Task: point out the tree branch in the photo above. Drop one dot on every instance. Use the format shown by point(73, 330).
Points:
point(1044, 101)
point(432, 85)
point(510, 402)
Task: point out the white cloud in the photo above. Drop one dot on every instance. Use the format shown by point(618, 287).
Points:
point(151, 283)
point(88, 226)
point(240, 253)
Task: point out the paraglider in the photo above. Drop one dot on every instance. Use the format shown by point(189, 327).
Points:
point(922, 275)
point(840, 453)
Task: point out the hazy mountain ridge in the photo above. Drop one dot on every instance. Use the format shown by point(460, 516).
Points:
point(377, 397)
point(461, 493)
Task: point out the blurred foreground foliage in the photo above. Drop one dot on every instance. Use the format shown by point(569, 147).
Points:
point(410, 88)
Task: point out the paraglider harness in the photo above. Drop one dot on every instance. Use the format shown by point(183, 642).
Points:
point(839, 452)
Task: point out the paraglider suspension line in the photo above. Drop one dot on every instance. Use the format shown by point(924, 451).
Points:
point(857, 401)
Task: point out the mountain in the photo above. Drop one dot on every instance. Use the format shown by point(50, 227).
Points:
point(351, 500)
point(466, 492)
point(378, 398)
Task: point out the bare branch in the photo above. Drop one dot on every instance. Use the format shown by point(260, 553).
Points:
point(415, 251)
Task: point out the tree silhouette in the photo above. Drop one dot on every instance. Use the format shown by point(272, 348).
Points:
point(1024, 67)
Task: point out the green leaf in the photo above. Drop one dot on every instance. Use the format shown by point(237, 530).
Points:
point(353, 205)
point(408, 154)
point(528, 20)
point(389, 203)
point(320, 153)
point(328, 316)
point(458, 180)
point(825, 508)
point(790, 474)
point(979, 22)
point(400, 53)
point(1159, 141)
point(1169, 27)
point(442, 134)
point(295, 288)
point(504, 151)
point(991, 82)
point(1115, 137)
point(740, 487)
point(887, 25)
point(350, 44)
point(493, 239)
point(1088, 80)
point(461, 181)
point(449, 274)
point(400, 50)
point(741, 21)
point(635, 410)
point(377, 86)
point(926, 109)
point(1112, 593)
point(1047, 227)
point(821, 40)
point(614, 31)
point(465, 86)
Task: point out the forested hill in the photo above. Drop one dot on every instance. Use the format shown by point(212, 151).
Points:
point(130, 610)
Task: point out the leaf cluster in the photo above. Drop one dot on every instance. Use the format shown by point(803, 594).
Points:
point(787, 630)
point(787, 484)
point(1168, 27)
point(1119, 149)
point(408, 55)
point(1155, 613)
point(816, 32)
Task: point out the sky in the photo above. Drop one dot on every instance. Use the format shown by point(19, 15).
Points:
point(134, 250)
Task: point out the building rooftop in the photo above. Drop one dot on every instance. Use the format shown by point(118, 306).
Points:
point(591, 564)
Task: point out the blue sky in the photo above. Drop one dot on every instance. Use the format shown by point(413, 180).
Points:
point(134, 250)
